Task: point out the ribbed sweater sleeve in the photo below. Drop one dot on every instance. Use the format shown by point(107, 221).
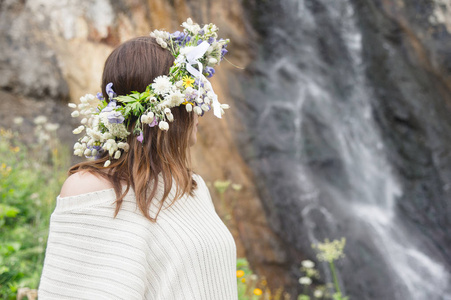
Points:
point(187, 254)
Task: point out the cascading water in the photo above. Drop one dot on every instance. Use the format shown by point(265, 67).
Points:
point(321, 157)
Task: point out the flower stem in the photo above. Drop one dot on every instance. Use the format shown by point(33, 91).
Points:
point(334, 275)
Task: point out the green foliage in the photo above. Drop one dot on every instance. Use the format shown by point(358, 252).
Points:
point(30, 178)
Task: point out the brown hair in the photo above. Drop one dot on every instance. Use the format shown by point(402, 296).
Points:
point(132, 66)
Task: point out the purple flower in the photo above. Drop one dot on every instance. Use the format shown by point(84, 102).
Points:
point(200, 42)
point(209, 71)
point(109, 90)
point(211, 40)
point(99, 151)
point(196, 82)
point(99, 96)
point(201, 32)
point(140, 137)
point(115, 117)
point(223, 52)
point(176, 35)
point(110, 107)
point(154, 122)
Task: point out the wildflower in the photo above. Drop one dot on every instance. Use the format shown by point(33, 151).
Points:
point(239, 273)
point(14, 149)
point(163, 125)
point(308, 264)
point(109, 90)
point(170, 117)
point(78, 130)
point(72, 105)
point(330, 251)
point(243, 280)
point(107, 163)
point(140, 137)
point(188, 81)
point(40, 120)
point(115, 117)
point(318, 293)
point(209, 71)
point(198, 110)
point(305, 281)
point(161, 85)
point(154, 123)
point(74, 114)
point(258, 292)
point(18, 120)
point(117, 154)
point(52, 126)
point(189, 107)
point(110, 107)
point(221, 186)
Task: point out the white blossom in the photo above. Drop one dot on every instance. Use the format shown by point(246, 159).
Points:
point(75, 114)
point(123, 146)
point(84, 121)
point(225, 106)
point(318, 293)
point(308, 264)
point(205, 107)
point(40, 120)
point(72, 105)
point(94, 152)
point(18, 120)
point(87, 152)
point(305, 281)
point(162, 85)
point(189, 107)
point(78, 130)
point(198, 110)
point(117, 154)
point(107, 163)
point(78, 152)
point(163, 125)
point(170, 117)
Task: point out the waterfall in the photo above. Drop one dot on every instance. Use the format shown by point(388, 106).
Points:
point(320, 153)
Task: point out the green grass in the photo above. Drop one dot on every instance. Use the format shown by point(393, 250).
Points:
point(30, 179)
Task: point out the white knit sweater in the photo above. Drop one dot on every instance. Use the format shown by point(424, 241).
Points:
point(187, 254)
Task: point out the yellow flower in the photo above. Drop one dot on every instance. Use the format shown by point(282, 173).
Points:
point(14, 149)
point(188, 81)
point(239, 273)
point(258, 292)
point(243, 280)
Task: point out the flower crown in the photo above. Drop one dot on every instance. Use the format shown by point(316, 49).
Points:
point(196, 50)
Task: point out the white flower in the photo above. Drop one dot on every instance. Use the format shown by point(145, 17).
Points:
point(205, 107)
point(117, 154)
point(51, 126)
point(167, 111)
point(152, 99)
point(87, 152)
point(107, 163)
point(198, 110)
point(175, 99)
point(84, 121)
point(78, 130)
point(212, 61)
point(207, 100)
point(72, 105)
point(94, 152)
point(163, 125)
point(162, 85)
point(318, 293)
point(189, 107)
point(306, 263)
point(78, 152)
point(18, 120)
point(225, 106)
point(40, 120)
point(305, 281)
point(75, 114)
point(123, 146)
point(77, 145)
point(145, 119)
point(170, 117)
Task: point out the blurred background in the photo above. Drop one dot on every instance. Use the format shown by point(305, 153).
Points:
point(339, 127)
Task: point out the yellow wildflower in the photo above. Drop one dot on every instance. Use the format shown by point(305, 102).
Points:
point(14, 149)
point(239, 273)
point(258, 292)
point(188, 81)
point(243, 280)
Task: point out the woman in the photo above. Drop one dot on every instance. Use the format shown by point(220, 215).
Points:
point(136, 222)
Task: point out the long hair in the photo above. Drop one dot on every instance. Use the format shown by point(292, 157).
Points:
point(163, 155)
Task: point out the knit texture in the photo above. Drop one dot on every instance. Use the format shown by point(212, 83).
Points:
point(187, 254)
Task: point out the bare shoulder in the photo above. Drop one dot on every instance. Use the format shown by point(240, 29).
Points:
point(83, 182)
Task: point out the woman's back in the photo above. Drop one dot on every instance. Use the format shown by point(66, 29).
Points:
point(187, 254)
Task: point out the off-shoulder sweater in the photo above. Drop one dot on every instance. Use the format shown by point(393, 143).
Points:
point(187, 254)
